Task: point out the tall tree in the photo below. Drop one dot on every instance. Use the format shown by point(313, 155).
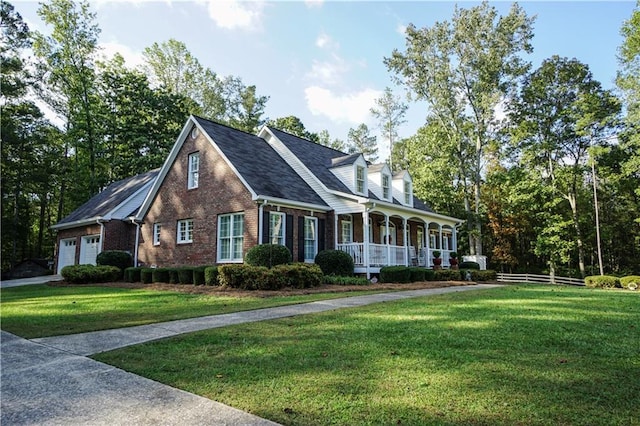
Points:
point(563, 111)
point(390, 112)
point(360, 141)
point(463, 69)
point(290, 124)
point(70, 72)
point(628, 80)
point(324, 138)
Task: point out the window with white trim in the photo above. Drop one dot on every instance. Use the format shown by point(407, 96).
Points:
point(420, 236)
point(185, 231)
point(360, 179)
point(156, 234)
point(230, 237)
point(346, 227)
point(277, 228)
point(310, 239)
point(194, 167)
point(407, 192)
point(386, 186)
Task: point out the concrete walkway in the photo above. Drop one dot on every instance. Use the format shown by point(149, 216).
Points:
point(49, 381)
point(30, 281)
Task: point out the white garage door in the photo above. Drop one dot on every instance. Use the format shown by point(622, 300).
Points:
point(67, 253)
point(89, 249)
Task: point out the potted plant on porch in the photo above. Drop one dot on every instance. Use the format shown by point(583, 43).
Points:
point(437, 260)
point(453, 260)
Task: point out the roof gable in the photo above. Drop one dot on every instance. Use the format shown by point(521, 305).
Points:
point(110, 199)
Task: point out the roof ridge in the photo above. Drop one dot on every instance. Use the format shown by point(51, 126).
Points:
point(306, 140)
point(224, 125)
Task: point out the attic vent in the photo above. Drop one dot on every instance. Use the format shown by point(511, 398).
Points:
point(194, 132)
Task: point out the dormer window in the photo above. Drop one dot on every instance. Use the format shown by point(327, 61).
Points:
point(407, 192)
point(386, 187)
point(360, 179)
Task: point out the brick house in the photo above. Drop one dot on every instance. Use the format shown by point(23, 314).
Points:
point(222, 191)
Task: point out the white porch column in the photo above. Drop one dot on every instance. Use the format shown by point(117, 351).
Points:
point(440, 237)
point(386, 232)
point(406, 241)
point(454, 237)
point(335, 233)
point(365, 233)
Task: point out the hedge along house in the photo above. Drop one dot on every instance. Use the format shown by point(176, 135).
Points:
point(222, 191)
point(105, 222)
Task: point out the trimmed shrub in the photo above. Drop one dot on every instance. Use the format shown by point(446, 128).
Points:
point(146, 275)
point(469, 265)
point(160, 275)
point(268, 255)
point(173, 275)
point(198, 275)
point(132, 275)
point(395, 274)
point(417, 274)
point(602, 281)
point(631, 279)
point(245, 277)
point(299, 275)
point(488, 275)
point(89, 274)
point(335, 262)
point(446, 275)
point(211, 275)
point(185, 275)
point(118, 258)
point(338, 280)
point(429, 275)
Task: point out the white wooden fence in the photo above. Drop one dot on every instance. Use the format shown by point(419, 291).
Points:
point(532, 278)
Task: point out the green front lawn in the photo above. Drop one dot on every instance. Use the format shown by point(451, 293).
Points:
point(40, 310)
point(525, 355)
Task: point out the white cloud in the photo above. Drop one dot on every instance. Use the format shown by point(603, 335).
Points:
point(324, 41)
point(235, 14)
point(401, 29)
point(314, 3)
point(328, 72)
point(351, 107)
point(132, 59)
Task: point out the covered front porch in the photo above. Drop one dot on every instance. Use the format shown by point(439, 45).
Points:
point(394, 239)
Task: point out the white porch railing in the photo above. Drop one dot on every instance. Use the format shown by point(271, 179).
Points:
point(390, 255)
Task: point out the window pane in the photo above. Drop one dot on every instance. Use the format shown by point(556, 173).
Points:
point(225, 226)
point(225, 249)
point(276, 228)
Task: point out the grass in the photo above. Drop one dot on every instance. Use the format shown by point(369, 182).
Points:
point(525, 355)
point(41, 310)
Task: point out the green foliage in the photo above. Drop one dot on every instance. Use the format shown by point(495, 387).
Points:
point(395, 274)
point(198, 275)
point(390, 111)
point(469, 265)
point(160, 275)
point(446, 275)
point(89, 274)
point(429, 275)
point(417, 274)
point(335, 262)
point(119, 258)
point(360, 141)
point(211, 275)
point(268, 255)
point(146, 275)
point(602, 281)
point(478, 276)
point(132, 275)
point(631, 279)
point(248, 277)
point(185, 275)
point(340, 280)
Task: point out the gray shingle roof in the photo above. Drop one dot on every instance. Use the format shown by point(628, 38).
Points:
point(110, 198)
point(266, 172)
point(317, 158)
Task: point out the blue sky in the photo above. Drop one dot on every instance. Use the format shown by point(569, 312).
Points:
point(322, 61)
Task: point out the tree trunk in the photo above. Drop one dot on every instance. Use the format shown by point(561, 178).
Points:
point(576, 224)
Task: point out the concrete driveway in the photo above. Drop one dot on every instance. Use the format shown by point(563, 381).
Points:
point(30, 281)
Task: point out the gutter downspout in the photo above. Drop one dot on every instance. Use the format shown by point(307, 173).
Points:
point(261, 221)
point(100, 221)
point(135, 248)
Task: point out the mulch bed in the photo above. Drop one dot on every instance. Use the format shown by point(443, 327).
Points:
point(230, 292)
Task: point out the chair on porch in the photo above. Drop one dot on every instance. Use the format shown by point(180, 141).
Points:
point(413, 257)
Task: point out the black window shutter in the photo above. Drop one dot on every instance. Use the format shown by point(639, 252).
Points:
point(289, 236)
point(266, 224)
point(321, 235)
point(301, 239)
